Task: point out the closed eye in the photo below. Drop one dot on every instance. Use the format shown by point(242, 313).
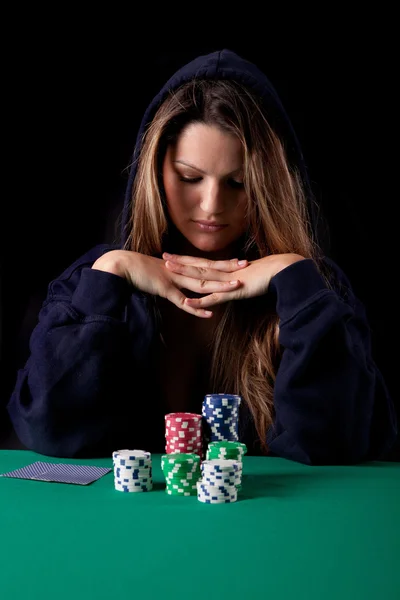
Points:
point(237, 185)
point(190, 180)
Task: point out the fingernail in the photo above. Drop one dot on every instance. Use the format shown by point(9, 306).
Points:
point(207, 312)
point(167, 255)
point(233, 282)
point(242, 262)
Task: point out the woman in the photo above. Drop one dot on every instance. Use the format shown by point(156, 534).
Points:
point(218, 285)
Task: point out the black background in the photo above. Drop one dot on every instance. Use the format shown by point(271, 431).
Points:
point(76, 88)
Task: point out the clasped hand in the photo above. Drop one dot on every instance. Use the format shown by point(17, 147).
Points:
point(220, 281)
point(224, 280)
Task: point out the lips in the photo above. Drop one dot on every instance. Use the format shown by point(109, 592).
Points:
point(211, 223)
point(209, 226)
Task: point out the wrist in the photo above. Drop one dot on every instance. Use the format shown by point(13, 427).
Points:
point(286, 260)
point(113, 262)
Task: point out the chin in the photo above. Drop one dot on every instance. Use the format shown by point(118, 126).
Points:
point(209, 245)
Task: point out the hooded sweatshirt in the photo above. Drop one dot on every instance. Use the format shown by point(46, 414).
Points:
point(89, 387)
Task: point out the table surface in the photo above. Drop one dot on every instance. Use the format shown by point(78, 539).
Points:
point(323, 533)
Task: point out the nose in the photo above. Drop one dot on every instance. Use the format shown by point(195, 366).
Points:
point(212, 200)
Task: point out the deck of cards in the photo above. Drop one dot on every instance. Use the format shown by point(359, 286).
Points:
point(59, 473)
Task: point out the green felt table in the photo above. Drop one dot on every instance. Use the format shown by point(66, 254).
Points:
point(301, 532)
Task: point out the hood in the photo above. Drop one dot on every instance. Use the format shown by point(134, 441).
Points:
point(223, 64)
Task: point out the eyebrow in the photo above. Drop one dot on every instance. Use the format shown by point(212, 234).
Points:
point(187, 164)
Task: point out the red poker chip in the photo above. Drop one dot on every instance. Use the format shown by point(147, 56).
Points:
point(182, 450)
point(177, 433)
point(183, 445)
point(189, 441)
point(183, 433)
point(189, 431)
point(183, 416)
point(197, 451)
point(179, 440)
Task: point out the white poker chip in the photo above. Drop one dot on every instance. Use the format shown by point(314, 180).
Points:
point(132, 455)
point(132, 471)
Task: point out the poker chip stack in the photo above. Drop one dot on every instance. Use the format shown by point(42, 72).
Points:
point(220, 414)
point(228, 451)
point(219, 482)
point(183, 433)
point(132, 471)
point(181, 472)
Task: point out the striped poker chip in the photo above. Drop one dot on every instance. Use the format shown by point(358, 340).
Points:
point(135, 472)
point(179, 467)
point(187, 473)
point(177, 433)
point(230, 483)
point(180, 459)
point(132, 471)
point(227, 450)
point(133, 486)
point(212, 500)
point(219, 490)
point(230, 497)
point(181, 476)
point(182, 447)
point(186, 418)
point(222, 479)
point(220, 414)
point(183, 433)
point(216, 495)
point(181, 492)
point(221, 465)
point(218, 475)
point(128, 489)
point(227, 446)
point(223, 399)
point(132, 455)
point(217, 472)
point(181, 472)
point(182, 486)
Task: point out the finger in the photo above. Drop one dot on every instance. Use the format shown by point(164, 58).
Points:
point(211, 300)
point(195, 272)
point(179, 299)
point(204, 286)
point(227, 266)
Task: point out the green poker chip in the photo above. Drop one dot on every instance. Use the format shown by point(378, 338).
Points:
point(228, 446)
point(180, 457)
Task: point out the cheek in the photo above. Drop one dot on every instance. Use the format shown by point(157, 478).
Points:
point(178, 197)
point(171, 193)
point(173, 200)
point(240, 213)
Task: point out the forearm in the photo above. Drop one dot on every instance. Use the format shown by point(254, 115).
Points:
point(61, 401)
point(327, 388)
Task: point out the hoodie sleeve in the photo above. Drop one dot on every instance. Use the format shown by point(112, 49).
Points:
point(331, 403)
point(76, 373)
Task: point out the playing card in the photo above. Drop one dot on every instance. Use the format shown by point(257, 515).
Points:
point(59, 472)
point(29, 471)
point(79, 474)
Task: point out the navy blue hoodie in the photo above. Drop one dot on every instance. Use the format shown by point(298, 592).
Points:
point(88, 386)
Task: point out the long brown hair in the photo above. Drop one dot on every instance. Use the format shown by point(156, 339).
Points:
point(246, 350)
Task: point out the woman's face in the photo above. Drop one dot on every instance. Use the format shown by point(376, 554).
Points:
point(203, 182)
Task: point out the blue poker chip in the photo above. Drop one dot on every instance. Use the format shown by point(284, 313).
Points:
point(223, 398)
point(220, 413)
